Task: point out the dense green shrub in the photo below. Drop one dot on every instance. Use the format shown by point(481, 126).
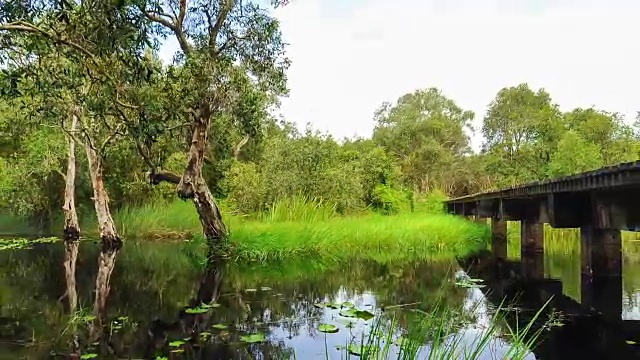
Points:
point(389, 201)
point(431, 203)
point(245, 187)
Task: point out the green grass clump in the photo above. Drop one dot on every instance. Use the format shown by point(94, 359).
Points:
point(300, 209)
point(298, 227)
point(411, 236)
point(174, 220)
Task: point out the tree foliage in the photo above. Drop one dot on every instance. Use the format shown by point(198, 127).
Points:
point(424, 131)
point(204, 119)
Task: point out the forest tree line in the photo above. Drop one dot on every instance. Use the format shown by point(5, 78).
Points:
point(419, 146)
point(89, 73)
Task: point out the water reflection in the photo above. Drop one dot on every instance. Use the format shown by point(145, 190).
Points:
point(154, 286)
point(156, 290)
point(588, 331)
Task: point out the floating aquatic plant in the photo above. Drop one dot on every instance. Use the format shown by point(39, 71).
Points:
point(328, 328)
point(253, 338)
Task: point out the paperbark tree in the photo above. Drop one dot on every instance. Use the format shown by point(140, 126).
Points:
point(233, 56)
point(71, 229)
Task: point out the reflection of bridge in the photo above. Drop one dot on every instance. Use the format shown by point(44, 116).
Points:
point(601, 203)
point(586, 333)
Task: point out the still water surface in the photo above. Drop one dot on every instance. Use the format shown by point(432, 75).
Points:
point(153, 283)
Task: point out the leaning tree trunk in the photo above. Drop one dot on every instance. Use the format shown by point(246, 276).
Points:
point(111, 243)
point(191, 185)
point(71, 229)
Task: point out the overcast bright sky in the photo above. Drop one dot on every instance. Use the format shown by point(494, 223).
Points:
point(351, 55)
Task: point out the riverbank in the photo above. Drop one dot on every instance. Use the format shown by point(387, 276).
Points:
point(314, 232)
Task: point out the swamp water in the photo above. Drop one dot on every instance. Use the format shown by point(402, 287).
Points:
point(278, 311)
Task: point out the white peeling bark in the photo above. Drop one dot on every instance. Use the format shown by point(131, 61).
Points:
point(193, 186)
point(111, 243)
point(71, 230)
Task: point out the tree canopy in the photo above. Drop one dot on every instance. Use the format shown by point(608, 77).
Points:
point(201, 125)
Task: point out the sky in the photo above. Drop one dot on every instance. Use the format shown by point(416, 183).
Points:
point(349, 56)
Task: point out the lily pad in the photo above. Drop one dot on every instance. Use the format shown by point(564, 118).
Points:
point(631, 342)
point(358, 350)
point(250, 290)
point(349, 313)
point(328, 328)
point(253, 338)
point(89, 356)
point(176, 343)
point(197, 310)
point(265, 288)
point(348, 305)
point(220, 326)
point(333, 306)
point(364, 315)
point(320, 305)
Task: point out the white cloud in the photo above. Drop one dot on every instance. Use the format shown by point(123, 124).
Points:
point(350, 56)
point(347, 61)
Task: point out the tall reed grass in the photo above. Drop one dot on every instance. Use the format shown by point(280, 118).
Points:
point(299, 208)
point(299, 227)
point(438, 334)
point(409, 236)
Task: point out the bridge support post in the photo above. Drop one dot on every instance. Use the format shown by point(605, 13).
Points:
point(601, 271)
point(532, 248)
point(499, 238)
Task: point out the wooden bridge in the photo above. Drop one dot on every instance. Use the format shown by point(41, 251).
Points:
point(600, 203)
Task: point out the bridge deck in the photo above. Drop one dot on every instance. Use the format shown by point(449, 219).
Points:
point(607, 198)
point(618, 176)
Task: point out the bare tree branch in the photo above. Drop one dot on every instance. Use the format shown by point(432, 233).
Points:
point(174, 24)
point(118, 131)
point(222, 17)
point(156, 177)
point(238, 147)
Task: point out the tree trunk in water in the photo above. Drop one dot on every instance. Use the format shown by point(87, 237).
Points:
point(111, 243)
point(192, 325)
point(192, 184)
point(71, 231)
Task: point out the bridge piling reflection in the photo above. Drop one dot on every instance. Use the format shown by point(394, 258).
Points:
point(595, 331)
